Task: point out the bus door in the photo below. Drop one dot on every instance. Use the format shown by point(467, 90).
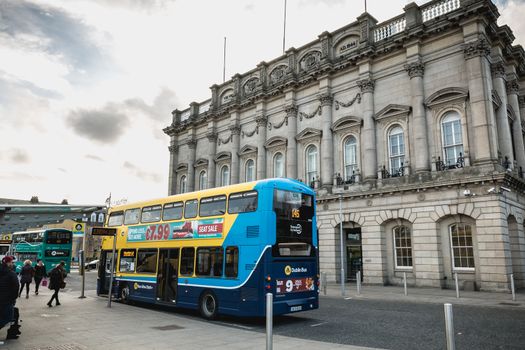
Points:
point(167, 277)
point(104, 269)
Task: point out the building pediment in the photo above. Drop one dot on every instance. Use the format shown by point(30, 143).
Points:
point(247, 150)
point(446, 95)
point(392, 111)
point(276, 141)
point(309, 133)
point(182, 167)
point(221, 156)
point(201, 162)
point(346, 123)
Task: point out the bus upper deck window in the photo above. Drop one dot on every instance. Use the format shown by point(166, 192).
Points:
point(116, 218)
point(132, 216)
point(190, 208)
point(213, 206)
point(151, 213)
point(242, 202)
point(172, 211)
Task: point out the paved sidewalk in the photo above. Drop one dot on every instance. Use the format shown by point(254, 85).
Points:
point(80, 324)
point(427, 295)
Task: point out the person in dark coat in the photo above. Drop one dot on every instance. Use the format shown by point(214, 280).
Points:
point(40, 273)
point(8, 293)
point(26, 277)
point(56, 282)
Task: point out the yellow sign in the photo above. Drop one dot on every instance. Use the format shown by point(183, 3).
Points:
point(79, 229)
point(288, 270)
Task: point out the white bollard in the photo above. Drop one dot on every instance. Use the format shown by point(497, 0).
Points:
point(513, 290)
point(358, 282)
point(449, 327)
point(269, 321)
point(405, 282)
point(323, 282)
point(457, 284)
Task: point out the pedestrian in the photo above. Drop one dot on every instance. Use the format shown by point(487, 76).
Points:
point(26, 277)
point(8, 293)
point(40, 273)
point(56, 282)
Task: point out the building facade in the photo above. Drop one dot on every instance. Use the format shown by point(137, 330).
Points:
point(411, 132)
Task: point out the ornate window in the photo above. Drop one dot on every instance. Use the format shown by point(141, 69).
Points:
point(311, 163)
point(462, 247)
point(249, 170)
point(225, 175)
point(203, 179)
point(350, 157)
point(278, 165)
point(402, 247)
point(396, 149)
point(183, 184)
point(452, 138)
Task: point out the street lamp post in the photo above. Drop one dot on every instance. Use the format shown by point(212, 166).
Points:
point(342, 250)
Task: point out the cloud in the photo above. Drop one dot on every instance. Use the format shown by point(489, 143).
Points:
point(141, 174)
point(137, 4)
point(20, 176)
point(19, 156)
point(47, 30)
point(511, 12)
point(161, 108)
point(93, 157)
point(103, 126)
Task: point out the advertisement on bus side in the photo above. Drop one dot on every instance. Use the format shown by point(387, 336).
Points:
point(190, 229)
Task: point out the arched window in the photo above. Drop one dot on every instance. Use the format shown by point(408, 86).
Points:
point(183, 181)
point(278, 165)
point(396, 150)
point(350, 157)
point(311, 163)
point(402, 247)
point(462, 247)
point(249, 169)
point(452, 138)
point(203, 179)
point(225, 175)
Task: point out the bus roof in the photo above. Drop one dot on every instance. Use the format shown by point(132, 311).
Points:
point(245, 186)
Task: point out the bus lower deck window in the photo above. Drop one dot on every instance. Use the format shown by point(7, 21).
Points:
point(209, 261)
point(232, 262)
point(147, 261)
point(187, 261)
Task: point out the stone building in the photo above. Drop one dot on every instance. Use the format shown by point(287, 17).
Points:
point(414, 126)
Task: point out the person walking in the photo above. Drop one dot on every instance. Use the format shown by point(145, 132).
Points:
point(8, 293)
point(56, 282)
point(26, 277)
point(40, 273)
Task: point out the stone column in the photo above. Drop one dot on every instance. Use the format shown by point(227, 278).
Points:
point(235, 166)
point(327, 144)
point(212, 150)
point(484, 147)
point(512, 95)
point(262, 123)
point(504, 132)
point(415, 72)
point(192, 145)
point(174, 159)
point(291, 149)
point(369, 129)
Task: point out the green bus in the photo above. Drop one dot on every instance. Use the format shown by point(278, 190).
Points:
point(51, 245)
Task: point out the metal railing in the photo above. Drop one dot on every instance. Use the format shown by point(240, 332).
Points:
point(442, 166)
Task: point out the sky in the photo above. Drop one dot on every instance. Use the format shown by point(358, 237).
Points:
point(86, 86)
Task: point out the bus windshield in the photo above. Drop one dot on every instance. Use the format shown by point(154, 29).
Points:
point(294, 211)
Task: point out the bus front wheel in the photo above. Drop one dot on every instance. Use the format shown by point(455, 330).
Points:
point(124, 295)
point(209, 306)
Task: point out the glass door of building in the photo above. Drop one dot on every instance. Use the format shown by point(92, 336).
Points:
point(354, 253)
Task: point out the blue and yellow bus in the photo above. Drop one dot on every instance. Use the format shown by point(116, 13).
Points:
point(218, 250)
point(50, 245)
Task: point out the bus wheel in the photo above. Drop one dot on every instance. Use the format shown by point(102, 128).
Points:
point(208, 306)
point(124, 295)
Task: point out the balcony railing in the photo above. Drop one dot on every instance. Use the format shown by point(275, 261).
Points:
point(438, 9)
point(385, 174)
point(460, 163)
point(393, 27)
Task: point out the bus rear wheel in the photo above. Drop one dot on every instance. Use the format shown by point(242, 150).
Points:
point(209, 306)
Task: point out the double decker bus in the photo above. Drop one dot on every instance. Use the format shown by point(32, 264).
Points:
point(218, 250)
point(50, 245)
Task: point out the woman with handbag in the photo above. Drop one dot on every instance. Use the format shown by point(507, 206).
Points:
point(26, 277)
point(56, 282)
point(40, 273)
